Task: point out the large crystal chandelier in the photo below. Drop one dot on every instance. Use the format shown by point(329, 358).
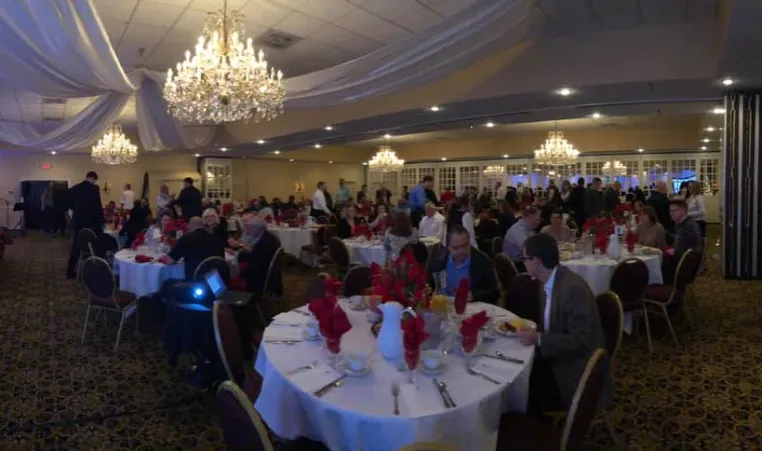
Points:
point(494, 171)
point(385, 160)
point(114, 148)
point(225, 80)
point(611, 170)
point(556, 151)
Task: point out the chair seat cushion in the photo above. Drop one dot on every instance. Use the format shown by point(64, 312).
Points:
point(519, 431)
point(123, 299)
point(658, 293)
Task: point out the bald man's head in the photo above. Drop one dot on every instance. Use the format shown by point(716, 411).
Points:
point(195, 223)
point(661, 186)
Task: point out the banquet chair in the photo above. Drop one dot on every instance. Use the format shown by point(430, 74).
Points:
point(356, 281)
point(241, 425)
point(658, 298)
point(316, 288)
point(497, 245)
point(419, 251)
point(612, 321)
point(340, 256)
point(232, 356)
point(428, 446)
point(273, 289)
point(103, 294)
point(87, 241)
point(211, 263)
point(505, 272)
point(107, 247)
point(523, 297)
point(438, 253)
point(629, 281)
point(520, 431)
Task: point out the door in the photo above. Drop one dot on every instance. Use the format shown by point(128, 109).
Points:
point(32, 191)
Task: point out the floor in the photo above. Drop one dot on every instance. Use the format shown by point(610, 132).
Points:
point(57, 394)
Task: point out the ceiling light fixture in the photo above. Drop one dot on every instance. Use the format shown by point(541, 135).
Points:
point(276, 152)
point(197, 155)
point(710, 129)
point(494, 171)
point(565, 92)
point(114, 148)
point(489, 124)
point(260, 141)
point(505, 155)
point(330, 162)
point(727, 81)
point(596, 115)
point(703, 147)
point(328, 128)
point(223, 149)
point(706, 140)
point(718, 110)
point(364, 163)
point(385, 160)
point(290, 160)
point(556, 151)
point(387, 136)
point(640, 150)
point(444, 158)
point(612, 170)
point(225, 80)
point(53, 152)
point(318, 145)
point(435, 108)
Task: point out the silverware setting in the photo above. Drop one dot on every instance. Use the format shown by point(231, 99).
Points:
point(472, 372)
point(302, 312)
point(311, 366)
point(276, 323)
point(337, 383)
point(396, 394)
point(282, 342)
point(500, 356)
point(442, 387)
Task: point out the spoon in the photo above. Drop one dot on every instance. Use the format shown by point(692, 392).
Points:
point(483, 376)
point(443, 386)
point(303, 368)
point(509, 359)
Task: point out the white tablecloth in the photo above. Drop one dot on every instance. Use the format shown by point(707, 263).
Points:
point(597, 271)
point(147, 278)
point(292, 239)
point(359, 414)
point(363, 252)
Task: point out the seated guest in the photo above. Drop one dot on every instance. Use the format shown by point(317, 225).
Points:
point(258, 246)
point(381, 220)
point(196, 246)
point(156, 231)
point(557, 229)
point(432, 223)
point(290, 205)
point(650, 232)
point(505, 218)
point(568, 334)
point(460, 214)
point(136, 223)
point(264, 210)
point(464, 261)
point(518, 233)
point(399, 235)
point(349, 219)
point(402, 207)
point(215, 225)
point(147, 207)
point(687, 236)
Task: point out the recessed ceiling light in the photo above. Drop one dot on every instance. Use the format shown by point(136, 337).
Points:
point(329, 127)
point(330, 162)
point(596, 115)
point(290, 160)
point(710, 129)
point(444, 158)
point(706, 140)
point(317, 146)
point(727, 81)
point(505, 155)
point(364, 163)
point(718, 110)
point(565, 92)
point(640, 150)
point(434, 108)
point(387, 136)
point(223, 149)
point(703, 147)
point(197, 155)
point(260, 141)
point(276, 152)
point(471, 127)
point(53, 152)
point(489, 124)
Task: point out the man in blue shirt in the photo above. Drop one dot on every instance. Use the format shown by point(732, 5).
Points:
point(418, 198)
point(342, 195)
point(518, 234)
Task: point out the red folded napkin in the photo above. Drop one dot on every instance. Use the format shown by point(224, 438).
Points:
point(413, 334)
point(631, 239)
point(461, 296)
point(322, 306)
point(140, 258)
point(375, 270)
point(333, 324)
point(332, 287)
point(469, 330)
point(269, 219)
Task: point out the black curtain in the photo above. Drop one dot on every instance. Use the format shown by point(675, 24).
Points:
point(32, 191)
point(144, 193)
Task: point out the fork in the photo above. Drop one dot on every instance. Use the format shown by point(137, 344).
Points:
point(303, 368)
point(396, 394)
point(483, 376)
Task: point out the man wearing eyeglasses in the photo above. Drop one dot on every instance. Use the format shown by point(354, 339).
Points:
point(687, 236)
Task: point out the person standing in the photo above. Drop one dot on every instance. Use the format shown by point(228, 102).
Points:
point(418, 199)
point(659, 201)
point(48, 217)
point(128, 197)
point(696, 207)
point(342, 195)
point(84, 200)
point(362, 194)
point(611, 197)
point(577, 202)
point(189, 200)
point(163, 200)
point(500, 192)
point(319, 204)
point(593, 200)
point(383, 195)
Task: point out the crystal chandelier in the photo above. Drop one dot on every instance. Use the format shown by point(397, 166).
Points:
point(494, 171)
point(385, 160)
point(225, 80)
point(114, 148)
point(556, 151)
point(615, 169)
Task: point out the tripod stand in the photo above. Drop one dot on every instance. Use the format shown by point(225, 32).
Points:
point(19, 226)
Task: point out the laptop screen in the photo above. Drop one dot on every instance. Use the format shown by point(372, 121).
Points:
point(216, 284)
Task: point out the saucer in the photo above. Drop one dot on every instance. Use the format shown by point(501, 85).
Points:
point(434, 371)
point(307, 337)
point(350, 372)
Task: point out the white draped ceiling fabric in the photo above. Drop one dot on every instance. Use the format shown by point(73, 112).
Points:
point(59, 48)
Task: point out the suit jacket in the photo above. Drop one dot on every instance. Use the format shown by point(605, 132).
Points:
point(610, 200)
point(575, 332)
point(344, 230)
point(481, 274)
point(593, 203)
point(85, 202)
point(258, 265)
point(660, 203)
point(190, 201)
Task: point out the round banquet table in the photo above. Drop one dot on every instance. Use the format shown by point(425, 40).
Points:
point(292, 239)
point(358, 415)
point(596, 270)
point(362, 252)
point(147, 278)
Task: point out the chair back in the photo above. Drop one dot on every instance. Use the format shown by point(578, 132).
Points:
point(505, 271)
point(428, 446)
point(584, 406)
point(497, 245)
point(241, 425)
point(612, 319)
point(316, 288)
point(87, 241)
point(523, 297)
point(438, 253)
point(356, 281)
point(338, 252)
point(329, 232)
point(686, 271)
point(98, 279)
point(228, 342)
point(275, 271)
point(321, 220)
point(106, 244)
point(420, 252)
point(211, 263)
point(629, 281)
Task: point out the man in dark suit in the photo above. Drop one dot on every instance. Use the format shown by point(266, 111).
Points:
point(189, 200)
point(593, 200)
point(196, 246)
point(577, 202)
point(611, 197)
point(660, 203)
point(463, 261)
point(569, 332)
point(84, 199)
point(258, 246)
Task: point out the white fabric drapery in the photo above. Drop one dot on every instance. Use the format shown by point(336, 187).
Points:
point(454, 44)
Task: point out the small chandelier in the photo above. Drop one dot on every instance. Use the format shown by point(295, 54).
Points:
point(556, 151)
point(114, 148)
point(615, 169)
point(225, 80)
point(385, 160)
point(494, 171)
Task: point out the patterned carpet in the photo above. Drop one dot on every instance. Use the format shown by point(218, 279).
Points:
point(705, 393)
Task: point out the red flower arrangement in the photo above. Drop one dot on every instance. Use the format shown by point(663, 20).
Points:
point(139, 240)
point(362, 230)
point(600, 228)
point(402, 280)
point(622, 213)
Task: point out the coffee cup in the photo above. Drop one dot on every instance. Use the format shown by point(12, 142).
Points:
point(356, 361)
point(432, 359)
point(356, 302)
point(311, 329)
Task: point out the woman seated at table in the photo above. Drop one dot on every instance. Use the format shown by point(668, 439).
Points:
point(557, 229)
point(650, 232)
point(215, 225)
point(381, 221)
point(399, 235)
point(156, 231)
point(349, 220)
point(136, 223)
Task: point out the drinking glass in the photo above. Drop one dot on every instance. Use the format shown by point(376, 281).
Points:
point(470, 346)
point(412, 356)
point(332, 348)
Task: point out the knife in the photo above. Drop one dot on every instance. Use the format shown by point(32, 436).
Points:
point(504, 358)
point(441, 393)
point(447, 393)
point(324, 389)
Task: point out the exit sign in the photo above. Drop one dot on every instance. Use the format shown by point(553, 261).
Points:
point(46, 166)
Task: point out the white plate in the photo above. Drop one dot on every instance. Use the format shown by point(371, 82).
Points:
point(434, 371)
point(511, 334)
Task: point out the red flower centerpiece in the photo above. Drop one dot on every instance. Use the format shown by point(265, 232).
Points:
point(362, 230)
point(599, 229)
point(139, 240)
point(332, 319)
point(172, 228)
point(622, 213)
point(402, 280)
point(413, 334)
point(631, 239)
